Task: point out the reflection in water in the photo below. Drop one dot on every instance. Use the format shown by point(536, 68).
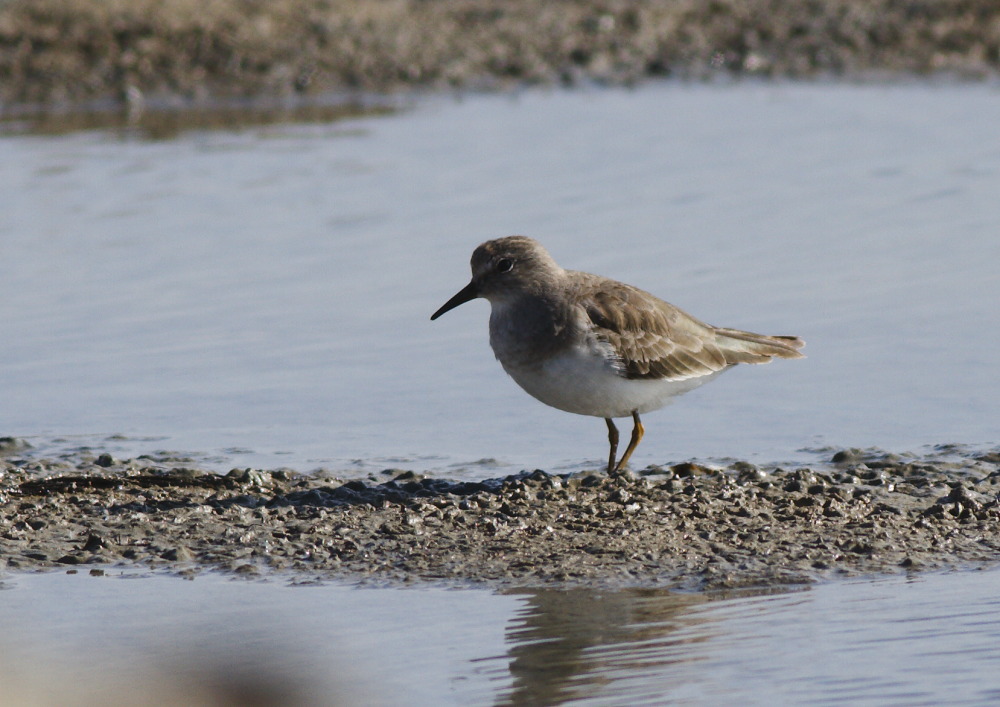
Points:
point(168, 124)
point(568, 644)
point(930, 639)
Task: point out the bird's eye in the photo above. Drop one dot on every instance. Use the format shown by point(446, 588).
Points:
point(505, 265)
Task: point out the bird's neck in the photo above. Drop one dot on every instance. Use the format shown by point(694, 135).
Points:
point(528, 328)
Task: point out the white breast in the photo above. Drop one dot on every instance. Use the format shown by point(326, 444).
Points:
point(583, 380)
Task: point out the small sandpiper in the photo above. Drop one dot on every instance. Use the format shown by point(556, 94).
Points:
point(593, 346)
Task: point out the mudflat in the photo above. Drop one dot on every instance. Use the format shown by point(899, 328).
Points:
point(70, 53)
point(685, 526)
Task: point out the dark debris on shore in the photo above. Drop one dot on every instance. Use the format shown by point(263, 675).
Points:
point(685, 526)
point(66, 53)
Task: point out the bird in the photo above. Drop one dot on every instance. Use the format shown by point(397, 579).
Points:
point(590, 345)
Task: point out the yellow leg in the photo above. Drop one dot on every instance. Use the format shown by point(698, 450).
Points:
point(613, 439)
point(637, 432)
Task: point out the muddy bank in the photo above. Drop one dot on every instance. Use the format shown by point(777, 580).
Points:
point(69, 52)
point(685, 526)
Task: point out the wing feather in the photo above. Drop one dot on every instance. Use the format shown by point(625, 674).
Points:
point(651, 338)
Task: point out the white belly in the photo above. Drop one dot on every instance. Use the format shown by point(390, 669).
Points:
point(584, 382)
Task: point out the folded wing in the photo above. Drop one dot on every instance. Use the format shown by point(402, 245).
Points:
point(655, 340)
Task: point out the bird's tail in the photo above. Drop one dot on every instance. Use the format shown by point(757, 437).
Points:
point(747, 347)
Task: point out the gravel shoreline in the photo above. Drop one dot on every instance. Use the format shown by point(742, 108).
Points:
point(68, 54)
point(686, 526)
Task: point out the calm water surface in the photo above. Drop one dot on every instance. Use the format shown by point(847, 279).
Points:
point(932, 639)
point(262, 296)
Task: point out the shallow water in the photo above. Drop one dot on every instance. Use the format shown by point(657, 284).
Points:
point(891, 641)
point(261, 297)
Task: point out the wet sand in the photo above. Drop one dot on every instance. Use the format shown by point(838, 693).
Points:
point(69, 54)
point(685, 526)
